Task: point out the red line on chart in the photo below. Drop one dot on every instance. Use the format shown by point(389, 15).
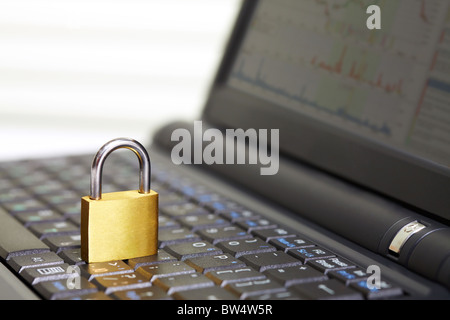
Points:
point(356, 72)
point(423, 12)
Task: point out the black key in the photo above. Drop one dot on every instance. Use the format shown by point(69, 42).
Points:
point(46, 215)
point(68, 209)
point(58, 243)
point(152, 272)
point(170, 198)
point(19, 263)
point(34, 178)
point(164, 222)
point(269, 260)
point(295, 275)
point(210, 293)
point(215, 262)
point(147, 293)
point(75, 219)
point(46, 188)
point(224, 277)
point(46, 273)
point(96, 269)
point(217, 234)
point(203, 221)
point(326, 290)
point(305, 254)
point(234, 215)
point(15, 207)
point(99, 295)
point(188, 250)
point(283, 295)
point(272, 233)
point(384, 290)
point(254, 224)
point(14, 194)
point(125, 182)
point(5, 185)
point(58, 289)
point(63, 196)
point(291, 243)
point(177, 235)
point(76, 171)
point(330, 264)
point(183, 282)
point(217, 205)
point(189, 189)
point(248, 288)
point(19, 169)
point(43, 230)
point(182, 210)
point(126, 281)
point(160, 257)
point(349, 275)
point(245, 246)
point(72, 256)
point(55, 164)
point(203, 199)
point(15, 239)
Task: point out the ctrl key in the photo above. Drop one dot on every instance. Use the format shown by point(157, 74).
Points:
point(59, 289)
point(326, 290)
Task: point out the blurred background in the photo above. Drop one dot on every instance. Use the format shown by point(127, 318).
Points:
point(77, 73)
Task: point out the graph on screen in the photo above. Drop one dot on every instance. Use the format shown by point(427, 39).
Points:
point(319, 57)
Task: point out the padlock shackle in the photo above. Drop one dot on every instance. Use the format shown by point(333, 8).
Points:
point(105, 151)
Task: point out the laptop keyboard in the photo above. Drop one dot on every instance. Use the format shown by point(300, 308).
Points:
point(210, 247)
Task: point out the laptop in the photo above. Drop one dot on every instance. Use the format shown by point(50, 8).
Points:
point(319, 170)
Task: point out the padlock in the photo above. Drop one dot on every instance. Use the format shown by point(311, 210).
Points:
point(119, 225)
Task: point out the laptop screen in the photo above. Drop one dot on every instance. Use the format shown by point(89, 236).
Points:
point(383, 75)
point(359, 89)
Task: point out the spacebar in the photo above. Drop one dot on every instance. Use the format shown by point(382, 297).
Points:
point(15, 239)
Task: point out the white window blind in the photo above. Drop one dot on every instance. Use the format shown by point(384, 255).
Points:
point(75, 69)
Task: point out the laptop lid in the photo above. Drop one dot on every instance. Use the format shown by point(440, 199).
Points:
point(360, 91)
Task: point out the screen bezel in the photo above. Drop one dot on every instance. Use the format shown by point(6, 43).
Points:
point(394, 173)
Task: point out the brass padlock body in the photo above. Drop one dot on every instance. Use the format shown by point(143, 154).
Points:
point(121, 225)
